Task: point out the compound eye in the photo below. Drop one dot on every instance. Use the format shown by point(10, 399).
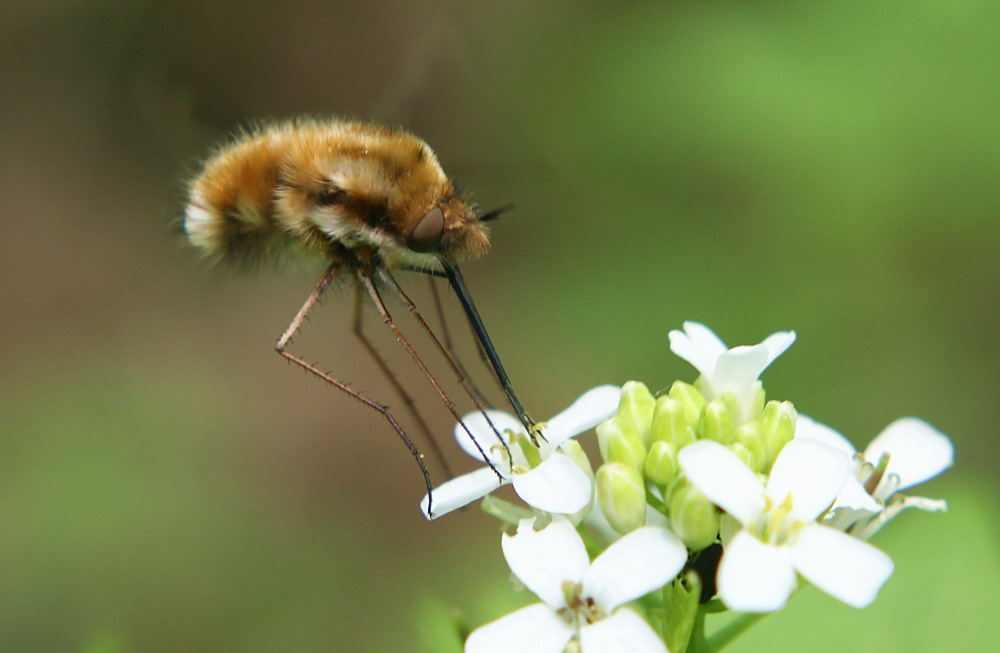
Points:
point(426, 236)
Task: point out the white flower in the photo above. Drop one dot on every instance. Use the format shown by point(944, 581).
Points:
point(580, 599)
point(725, 370)
point(552, 482)
point(906, 453)
point(779, 534)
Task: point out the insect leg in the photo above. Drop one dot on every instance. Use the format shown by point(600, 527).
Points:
point(365, 276)
point(432, 274)
point(293, 328)
point(383, 366)
point(456, 367)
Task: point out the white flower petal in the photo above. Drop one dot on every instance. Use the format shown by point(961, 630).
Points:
point(484, 435)
point(592, 408)
point(840, 565)
point(698, 345)
point(737, 371)
point(854, 495)
point(722, 477)
point(807, 427)
point(917, 451)
point(776, 344)
point(739, 368)
point(753, 576)
point(544, 559)
point(461, 491)
point(557, 485)
point(534, 629)
point(638, 563)
point(622, 632)
point(813, 473)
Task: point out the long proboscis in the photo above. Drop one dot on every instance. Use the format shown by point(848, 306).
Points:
point(454, 277)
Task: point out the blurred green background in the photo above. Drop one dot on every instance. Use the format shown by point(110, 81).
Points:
point(168, 484)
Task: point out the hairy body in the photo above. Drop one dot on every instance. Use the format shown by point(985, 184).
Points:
point(356, 193)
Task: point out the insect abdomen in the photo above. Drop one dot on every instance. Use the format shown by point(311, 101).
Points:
point(231, 212)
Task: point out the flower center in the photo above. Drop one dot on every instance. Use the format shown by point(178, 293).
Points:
point(776, 525)
point(580, 610)
point(520, 455)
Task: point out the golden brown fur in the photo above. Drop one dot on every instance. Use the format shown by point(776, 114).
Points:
point(351, 191)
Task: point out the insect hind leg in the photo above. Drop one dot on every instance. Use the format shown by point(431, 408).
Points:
point(286, 338)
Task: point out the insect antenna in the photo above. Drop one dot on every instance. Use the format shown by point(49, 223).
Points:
point(495, 213)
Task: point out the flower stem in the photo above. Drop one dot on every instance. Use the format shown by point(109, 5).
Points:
point(656, 503)
point(698, 644)
point(731, 631)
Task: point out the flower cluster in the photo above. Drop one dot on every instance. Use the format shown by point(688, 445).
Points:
point(706, 490)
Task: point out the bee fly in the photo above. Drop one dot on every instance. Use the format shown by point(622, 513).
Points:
point(370, 200)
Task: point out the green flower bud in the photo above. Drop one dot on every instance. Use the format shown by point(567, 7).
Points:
point(670, 423)
point(622, 496)
point(777, 428)
point(576, 453)
point(661, 463)
point(748, 436)
point(618, 443)
point(745, 454)
point(716, 422)
point(689, 396)
point(636, 408)
point(693, 518)
point(732, 404)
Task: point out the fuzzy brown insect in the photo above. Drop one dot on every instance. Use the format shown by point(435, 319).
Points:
point(368, 199)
